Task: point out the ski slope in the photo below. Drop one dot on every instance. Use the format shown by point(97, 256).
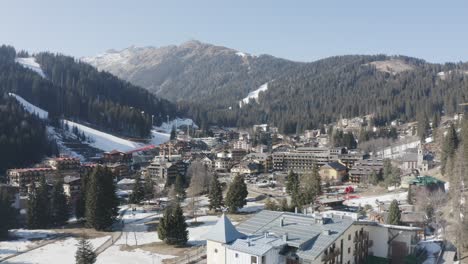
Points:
point(42, 114)
point(102, 140)
point(178, 122)
point(254, 94)
point(31, 64)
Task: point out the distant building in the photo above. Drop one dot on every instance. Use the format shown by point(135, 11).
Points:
point(245, 168)
point(23, 178)
point(333, 171)
point(303, 159)
point(362, 169)
point(116, 156)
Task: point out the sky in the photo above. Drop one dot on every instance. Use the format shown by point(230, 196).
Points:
point(298, 30)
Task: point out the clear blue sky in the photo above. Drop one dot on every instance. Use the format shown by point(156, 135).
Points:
point(299, 30)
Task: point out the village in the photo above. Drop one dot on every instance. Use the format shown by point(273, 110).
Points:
point(367, 205)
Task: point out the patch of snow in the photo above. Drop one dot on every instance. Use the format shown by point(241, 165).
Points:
point(252, 207)
point(241, 54)
point(115, 255)
point(166, 127)
point(62, 251)
point(158, 138)
point(42, 114)
point(31, 64)
point(372, 201)
point(254, 94)
point(102, 140)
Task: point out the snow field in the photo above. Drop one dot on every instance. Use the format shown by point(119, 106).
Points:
point(31, 64)
point(254, 94)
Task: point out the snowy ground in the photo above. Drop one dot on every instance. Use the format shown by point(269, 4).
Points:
point(25, 239)
point(31, 64)
point(252, 207)
point(178, 122)
point(362, 201)
point(41, 113)
point(104, 141)
point(254, 94)
point(59, 252)
point(159, 137)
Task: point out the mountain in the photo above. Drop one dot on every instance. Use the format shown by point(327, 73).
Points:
point(192, 71)
point(222, 86)
point(68, 88)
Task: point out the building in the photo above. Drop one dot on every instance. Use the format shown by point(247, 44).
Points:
point(280, 237)
point(245, 168)
point(162, 171)
point(223, 164)
point(72, 188)
point(64, 163)
point(362, 169)
point(119, 170)
point(263, 159)
point(23, 178)
point(303, 159)
point(116, 156)
point(333, 171)
point(238, 154)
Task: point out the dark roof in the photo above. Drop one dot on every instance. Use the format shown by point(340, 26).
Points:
point(336, 165)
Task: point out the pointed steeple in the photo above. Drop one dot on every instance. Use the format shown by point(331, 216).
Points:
point(224, 231)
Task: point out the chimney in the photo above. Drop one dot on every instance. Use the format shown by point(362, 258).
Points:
point(266, 234)
point(285, 237)
point(282, 221)
point(295, 210)
point(326, 232)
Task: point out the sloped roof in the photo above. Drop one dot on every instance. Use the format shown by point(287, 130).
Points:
point(256, 245)
point(336, 166)
point(224, 231)
point(310, 237)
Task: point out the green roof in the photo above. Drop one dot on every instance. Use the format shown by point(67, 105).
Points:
point(376, 260)
point(426, 180)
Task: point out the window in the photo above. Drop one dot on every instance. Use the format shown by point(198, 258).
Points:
point(349, 237)
point(237, 255)
point(216, 250)
point(253, 260)
point(349, 250)
point(263, 259)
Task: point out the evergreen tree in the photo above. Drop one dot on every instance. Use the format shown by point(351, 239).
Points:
point(59, 205)
point(38, 206)
point(312, 185)
point(292, 183)
point(216, 194)
point(138, 193)
point(164, 223)
point(449, 147)
point(172, 228)
point(178, 233)
point(394, 214)
point(179, 188)
point(423, 126)
point(85, 253)
point(8, 214)
point(236, 194)
point(173, 133)
point(101, 201)
point(148, 187)
point(80, 206)
point(373, 178)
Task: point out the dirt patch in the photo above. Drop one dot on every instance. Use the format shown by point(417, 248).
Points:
point(83, 232)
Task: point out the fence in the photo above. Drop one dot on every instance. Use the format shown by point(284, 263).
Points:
point(193, 256)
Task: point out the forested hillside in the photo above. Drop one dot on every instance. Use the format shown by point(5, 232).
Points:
point(77, 91)
point(208, 81)
point(23, 137)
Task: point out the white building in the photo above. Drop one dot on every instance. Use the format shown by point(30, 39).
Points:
point(271, 237)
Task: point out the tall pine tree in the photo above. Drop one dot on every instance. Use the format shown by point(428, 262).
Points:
point(394, 214)
point(172, 228)
point(216, 194)
point(38, 213)
point(138, 192)
point(449, 147)
point(236, 194)
point(59, 205)
point(101, 201)
point(8, 214)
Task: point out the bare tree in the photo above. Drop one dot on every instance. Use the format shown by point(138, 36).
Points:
point(433, 205)
point(200, 177)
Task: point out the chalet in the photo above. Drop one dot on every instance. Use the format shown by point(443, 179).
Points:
point(72, 188)
point(65, 163)
point(245, 168)
point(333, 171)
point(119, 170)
